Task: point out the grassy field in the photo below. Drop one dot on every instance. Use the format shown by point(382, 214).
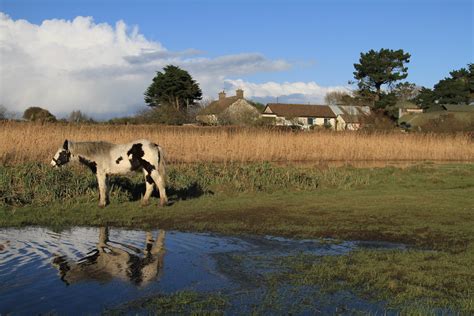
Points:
point(427, 206)
point(22, 142)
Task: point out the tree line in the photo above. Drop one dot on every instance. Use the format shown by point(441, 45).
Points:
point(379, 74)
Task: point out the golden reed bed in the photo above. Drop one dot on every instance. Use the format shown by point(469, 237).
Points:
point(23, 142)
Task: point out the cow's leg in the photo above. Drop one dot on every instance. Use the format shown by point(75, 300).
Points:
point(149, 187)
point(108, 188)
point(103, 238)
point(160, 241)
point(102, 181)
point(160, 183)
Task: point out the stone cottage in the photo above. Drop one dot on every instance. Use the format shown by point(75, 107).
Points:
point(228, 110)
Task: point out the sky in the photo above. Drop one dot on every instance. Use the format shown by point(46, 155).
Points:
point(99, 56)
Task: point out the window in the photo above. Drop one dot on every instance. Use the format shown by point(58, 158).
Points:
point(310, 120)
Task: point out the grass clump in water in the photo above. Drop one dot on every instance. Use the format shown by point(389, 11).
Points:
point(179, 303)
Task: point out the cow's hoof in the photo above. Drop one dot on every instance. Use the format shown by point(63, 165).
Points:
point(163, 203)
point(145, 203)
point(102, 205)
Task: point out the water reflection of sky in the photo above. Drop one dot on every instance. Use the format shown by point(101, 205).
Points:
point(31, 283)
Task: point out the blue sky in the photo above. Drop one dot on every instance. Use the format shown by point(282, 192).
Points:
point(316, 41)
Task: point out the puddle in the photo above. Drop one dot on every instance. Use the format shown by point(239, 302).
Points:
point(87, 270)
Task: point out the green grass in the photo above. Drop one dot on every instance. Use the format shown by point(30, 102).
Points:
point(38, 184)
point(412, 279)
point(428, 207)
point(421, 119)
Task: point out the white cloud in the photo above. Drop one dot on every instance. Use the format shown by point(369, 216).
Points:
point(287, 92)
point(40, 63)
point(101, 69)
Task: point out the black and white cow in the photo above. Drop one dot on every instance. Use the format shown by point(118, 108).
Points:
point(104, 159)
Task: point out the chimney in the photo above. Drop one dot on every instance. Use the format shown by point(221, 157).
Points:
point(221, 96)
point(239, 93)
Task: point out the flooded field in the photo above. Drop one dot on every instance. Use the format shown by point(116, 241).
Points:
point(89, 270)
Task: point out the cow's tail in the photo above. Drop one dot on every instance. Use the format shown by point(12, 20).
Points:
point(161, 162)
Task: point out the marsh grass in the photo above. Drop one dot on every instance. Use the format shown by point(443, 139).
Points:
point(22, 142)
point(428, 281)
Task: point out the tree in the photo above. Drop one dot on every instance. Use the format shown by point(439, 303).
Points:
point(387, 105)
point(164, 114)
point(471, 83)
point(338, 97)
point(455, 89)
point(3, 112)
point(79, 117)
point(38, 114)
point(380, 68)
point(425, 98)
point(406, 91)
point(175, 87)
point(458, 88)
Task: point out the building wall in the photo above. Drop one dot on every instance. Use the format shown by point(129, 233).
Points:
point(343, 126)
point(340, 123)
point(322, 122)
point(303, 121)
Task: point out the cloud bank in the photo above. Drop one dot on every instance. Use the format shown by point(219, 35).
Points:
point(103, 70)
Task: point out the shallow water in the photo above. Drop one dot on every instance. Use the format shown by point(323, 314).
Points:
point(86, 270)
point(402, 164)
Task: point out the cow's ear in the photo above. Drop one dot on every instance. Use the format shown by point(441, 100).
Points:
point(66, 145)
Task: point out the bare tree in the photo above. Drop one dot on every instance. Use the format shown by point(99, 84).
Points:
point(78, 117)
point(337, 98)
point(3, 112)
point(405, 91)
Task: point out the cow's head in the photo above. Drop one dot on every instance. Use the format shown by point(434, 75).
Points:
point(62, 156)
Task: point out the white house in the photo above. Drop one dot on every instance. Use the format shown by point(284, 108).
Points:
point(350, 117)
point(302, 115)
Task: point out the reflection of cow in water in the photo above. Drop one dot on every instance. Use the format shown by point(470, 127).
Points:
point(107, 262)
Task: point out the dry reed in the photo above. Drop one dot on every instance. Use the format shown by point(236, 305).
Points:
point(23, 142)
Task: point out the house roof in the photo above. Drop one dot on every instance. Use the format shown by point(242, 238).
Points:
point(354, 110)
point(218, 106)
point(299, 110)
